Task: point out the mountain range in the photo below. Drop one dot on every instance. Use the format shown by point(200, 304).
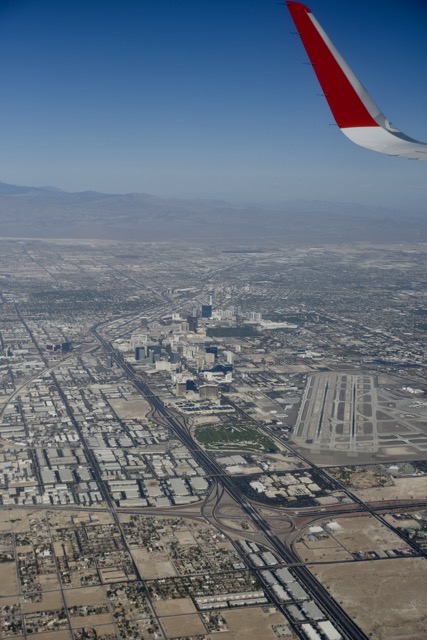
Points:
point(47, 212)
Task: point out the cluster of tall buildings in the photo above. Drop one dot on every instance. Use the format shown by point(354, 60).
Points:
point(181, 347)
point(63, 347)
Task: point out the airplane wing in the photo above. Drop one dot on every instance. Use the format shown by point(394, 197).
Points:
point(356, 114)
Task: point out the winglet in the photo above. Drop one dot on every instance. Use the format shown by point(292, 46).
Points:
point(345, 95)
point(354, 111)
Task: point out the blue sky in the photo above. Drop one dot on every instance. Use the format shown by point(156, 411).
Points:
point(205, 98)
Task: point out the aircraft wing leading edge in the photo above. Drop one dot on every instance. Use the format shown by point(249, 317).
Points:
point(356, 114)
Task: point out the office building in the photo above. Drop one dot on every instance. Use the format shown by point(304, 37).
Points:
point(208, 391)
point(206, 311)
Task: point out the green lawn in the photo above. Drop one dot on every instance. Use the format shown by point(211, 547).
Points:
point(234, 436)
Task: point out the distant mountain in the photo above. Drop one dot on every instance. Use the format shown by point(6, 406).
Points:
point(46, 212)
point(15, 189)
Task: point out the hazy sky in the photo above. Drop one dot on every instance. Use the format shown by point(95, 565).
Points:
point(205, 98)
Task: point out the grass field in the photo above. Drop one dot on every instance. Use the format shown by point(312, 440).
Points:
point(237, 437)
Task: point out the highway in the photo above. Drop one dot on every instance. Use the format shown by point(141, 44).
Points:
point(357, 505)
point(320, 595)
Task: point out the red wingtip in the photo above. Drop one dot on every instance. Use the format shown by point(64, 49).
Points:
point(297, 5)
point(345, 102)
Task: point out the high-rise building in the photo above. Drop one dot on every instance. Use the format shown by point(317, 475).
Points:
point(175, 357)
point(206, 311)
point(181, 388)
point(208, 391)
point(230, 357)
point(192, 324)
point(154, 348)
point(212, 349)
point(139, 353)
point(53, 347)
point(209, 358)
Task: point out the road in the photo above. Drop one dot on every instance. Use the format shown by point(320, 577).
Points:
point(357, 503)
point(320, 595)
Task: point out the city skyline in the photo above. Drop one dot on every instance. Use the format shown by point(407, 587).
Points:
point(172, 469)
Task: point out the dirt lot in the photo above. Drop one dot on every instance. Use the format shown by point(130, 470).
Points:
point(361, 533)
point(176, 607)
point(366, 534)
point(49, 582)
point(91, 621)
point(113, 574)
point(373, 484)
point(403, 488)
point(237, 525)
point(285, 462)
point(183, 626)
point(325, 550)
point(361, 477)
point(386, 598)
point(185, 537)
point(251, 624)
point(7, 602)
point(15, 521)
point(205, 420)
point(91, 596)
point(59, 635)
point(131, 408)
point(62, 519)
point(51, 600)
point(8, 579)
point(153, 564)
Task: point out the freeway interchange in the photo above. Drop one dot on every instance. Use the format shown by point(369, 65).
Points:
point(224, 483)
